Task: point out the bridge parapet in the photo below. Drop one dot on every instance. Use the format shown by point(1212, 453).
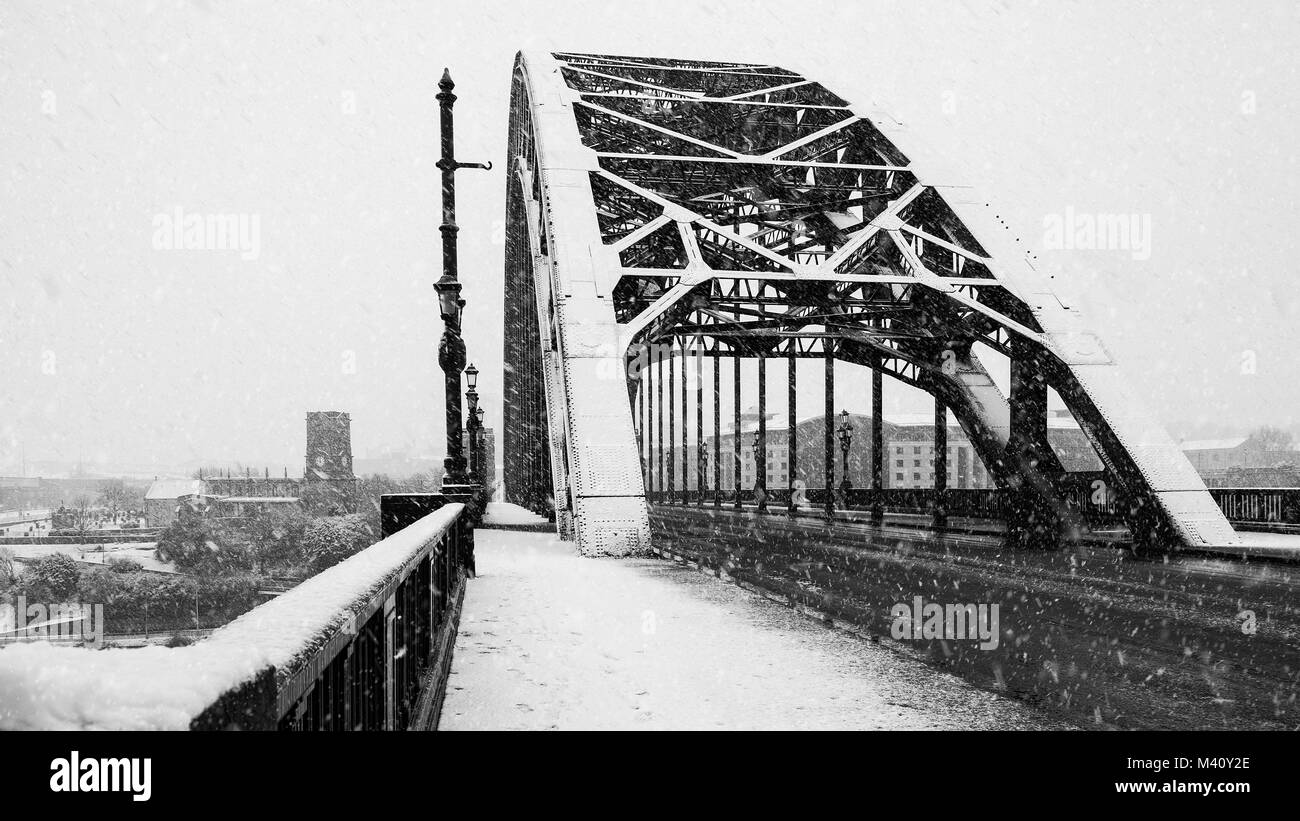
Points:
point(364, 645)
point(1094, 500)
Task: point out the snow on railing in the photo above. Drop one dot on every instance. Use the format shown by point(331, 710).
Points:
point(288, 663)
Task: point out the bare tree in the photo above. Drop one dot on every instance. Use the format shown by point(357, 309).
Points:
point(114, 495)
point(1267, 437)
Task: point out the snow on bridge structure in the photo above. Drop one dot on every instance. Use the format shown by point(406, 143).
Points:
point(660, 208)
point(662, 212)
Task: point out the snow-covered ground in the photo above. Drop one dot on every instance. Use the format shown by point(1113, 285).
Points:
point(551, 640)
point(142, 552)
point(30, 522)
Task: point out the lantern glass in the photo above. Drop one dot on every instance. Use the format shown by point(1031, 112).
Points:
point(471, 376)
point(446, 302)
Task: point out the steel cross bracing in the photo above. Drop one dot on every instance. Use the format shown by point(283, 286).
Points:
point(754, 213)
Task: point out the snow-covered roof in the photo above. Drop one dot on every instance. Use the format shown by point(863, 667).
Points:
point(1062, 423)
point(910, 420)
point(1213, 444)
point(282, 500)
point(778, 421)
point(174, 488)
point(926, 420)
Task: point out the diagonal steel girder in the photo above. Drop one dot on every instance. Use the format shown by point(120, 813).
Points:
point(674, 197)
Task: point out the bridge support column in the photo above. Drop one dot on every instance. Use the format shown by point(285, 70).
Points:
point(940, 509)
point(649, 423)
point(700, 479)
point(686, 453)
point(877, 443)
point(791, 437)
point(828, 428)
point(659, 421)
point(717, 431)
point(1031, 521)
point(638, 423)
point(671, 490)
point(736, 434)
point(760, 453)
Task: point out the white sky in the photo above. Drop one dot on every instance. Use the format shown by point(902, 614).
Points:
point(188, 356)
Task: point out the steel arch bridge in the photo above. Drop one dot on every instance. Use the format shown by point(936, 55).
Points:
point(754, 213)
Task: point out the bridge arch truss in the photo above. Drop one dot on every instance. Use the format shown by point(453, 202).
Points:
point(746, 211)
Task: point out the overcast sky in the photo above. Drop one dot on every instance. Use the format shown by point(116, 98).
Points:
point(319, 120)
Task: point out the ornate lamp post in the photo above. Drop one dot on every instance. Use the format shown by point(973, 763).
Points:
point(703, 457)
point(845, 431)
point(451, 348)
point(480, 453)
point(760, 480)
point(471, 422)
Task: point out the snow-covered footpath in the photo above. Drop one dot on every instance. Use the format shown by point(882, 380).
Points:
point(551, 640)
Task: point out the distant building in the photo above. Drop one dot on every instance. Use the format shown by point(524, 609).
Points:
point(809, 445)
point(1239, 461)
point(164, 497)
point(18, 492)
point(328, 486)
point(910, 452)
point(908, 442)
point(1209, 455)
point(243, 507)
point(1280, 476)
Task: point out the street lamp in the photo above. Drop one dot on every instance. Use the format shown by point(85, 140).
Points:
point(845, 431)
point(479, 453)
point(702, 478)
point(471, 401)
point(760, 477)
point(451, 348)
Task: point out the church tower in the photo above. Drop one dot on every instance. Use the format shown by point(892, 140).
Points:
point(329, 446)
point(328, 471)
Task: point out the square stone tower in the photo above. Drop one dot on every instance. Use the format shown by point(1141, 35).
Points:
point(329, 483)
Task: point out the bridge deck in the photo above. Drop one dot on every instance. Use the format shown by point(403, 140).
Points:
point(550, 640)
point(1191, 642)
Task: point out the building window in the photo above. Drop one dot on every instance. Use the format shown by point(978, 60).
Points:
point(916, 477)
point(916, 463)
point(898, 450)
point(898, 476)
point(898, 463)
point(916, 449)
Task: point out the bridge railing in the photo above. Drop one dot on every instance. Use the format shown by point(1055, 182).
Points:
point(1100, 505)
point(363, 645)
point(383, 662)
point(1259, 505)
